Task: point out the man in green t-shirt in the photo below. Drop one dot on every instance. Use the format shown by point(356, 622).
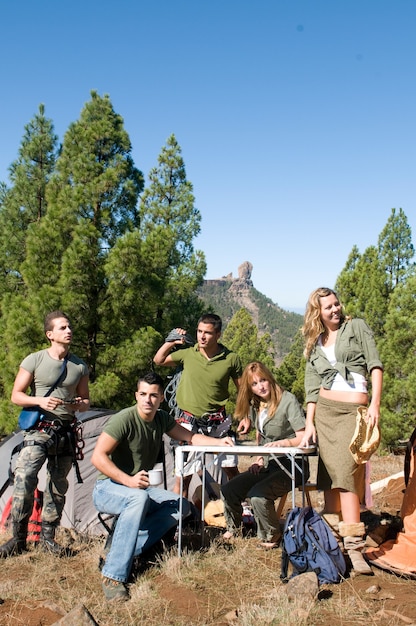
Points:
point(125, 451)
point(208, 367)
point(58, 384)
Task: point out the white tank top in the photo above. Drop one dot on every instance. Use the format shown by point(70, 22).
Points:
point(339, 383)
point(263, 415)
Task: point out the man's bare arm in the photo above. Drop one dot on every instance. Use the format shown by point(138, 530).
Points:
point(162, 356)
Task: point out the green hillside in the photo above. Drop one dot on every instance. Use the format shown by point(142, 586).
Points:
point(226, 296)
point(282, 325)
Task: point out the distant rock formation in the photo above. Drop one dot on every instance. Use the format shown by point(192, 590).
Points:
point(244, 271)
point(243, 283)
point(237, 285)
point(240, 290)
point(227, 295)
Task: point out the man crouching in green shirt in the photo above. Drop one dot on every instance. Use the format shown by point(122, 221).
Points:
point(125, 451)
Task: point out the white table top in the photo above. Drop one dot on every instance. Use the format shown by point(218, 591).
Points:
point(250, 450)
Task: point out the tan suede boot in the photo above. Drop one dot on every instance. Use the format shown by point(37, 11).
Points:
point(354, 540)
point(333, 520)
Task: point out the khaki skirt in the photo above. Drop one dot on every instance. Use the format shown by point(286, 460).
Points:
point(335, 426)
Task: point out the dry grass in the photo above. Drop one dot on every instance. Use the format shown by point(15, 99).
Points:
point(202, 588)
point(199, 589)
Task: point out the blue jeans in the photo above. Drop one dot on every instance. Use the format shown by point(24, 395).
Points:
point(145, 515)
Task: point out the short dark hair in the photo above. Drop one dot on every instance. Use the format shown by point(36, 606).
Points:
point(51, 317)
point(151, 378)
point(211, 318)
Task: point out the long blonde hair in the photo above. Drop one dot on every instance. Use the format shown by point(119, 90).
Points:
point(312, 323)
point(247, 398)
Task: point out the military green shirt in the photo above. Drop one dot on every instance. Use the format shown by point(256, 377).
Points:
point(355, 351)
point(203, 386)
point(46, 370)
point(139, 442)
point(289, 418)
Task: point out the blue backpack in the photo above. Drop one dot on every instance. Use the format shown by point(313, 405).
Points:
point(309, 545)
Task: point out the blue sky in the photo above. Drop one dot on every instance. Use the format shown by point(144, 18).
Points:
point(296, 118)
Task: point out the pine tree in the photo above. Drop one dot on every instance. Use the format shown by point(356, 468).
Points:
point(396, 249)
point(85, 251)
point(367, 281)
point(92, 201)
point(21, 205)
point(241, 336)
point(169, 222)
point(24, 203)
point(398, 354)
point(362, 289)
point(291, 372)
point(373, 300)
point(346, 284)
point(379, 286)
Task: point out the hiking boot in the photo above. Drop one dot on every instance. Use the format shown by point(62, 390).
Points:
point(114, 590)
point(47, 541)
point(12, 547)
point(17, 544)
point(359, 564)
point(354, 542)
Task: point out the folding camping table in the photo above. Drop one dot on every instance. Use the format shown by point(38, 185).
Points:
point(285, 452)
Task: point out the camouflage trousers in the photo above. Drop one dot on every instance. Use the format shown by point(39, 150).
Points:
point(29, 462)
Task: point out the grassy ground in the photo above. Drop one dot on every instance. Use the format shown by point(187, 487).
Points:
point(222, 584)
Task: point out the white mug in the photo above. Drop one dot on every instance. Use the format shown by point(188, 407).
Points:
point(155, 476)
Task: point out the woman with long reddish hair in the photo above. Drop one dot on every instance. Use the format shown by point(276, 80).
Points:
point(280, 422)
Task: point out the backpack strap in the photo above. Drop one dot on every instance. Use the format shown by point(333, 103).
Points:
point(60, 378)
point(10, 478)
point(284, 564)
point(16, 450)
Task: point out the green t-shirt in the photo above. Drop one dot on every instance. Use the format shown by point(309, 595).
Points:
point(139, 441)
point(203, 385)
point(46, 370)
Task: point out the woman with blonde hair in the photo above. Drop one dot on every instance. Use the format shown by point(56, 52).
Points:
point(279, 422)
point(340, 354)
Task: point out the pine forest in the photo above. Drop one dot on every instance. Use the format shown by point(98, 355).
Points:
point(81, 232)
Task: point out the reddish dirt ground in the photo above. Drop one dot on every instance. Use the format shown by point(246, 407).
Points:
point(394, 603)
